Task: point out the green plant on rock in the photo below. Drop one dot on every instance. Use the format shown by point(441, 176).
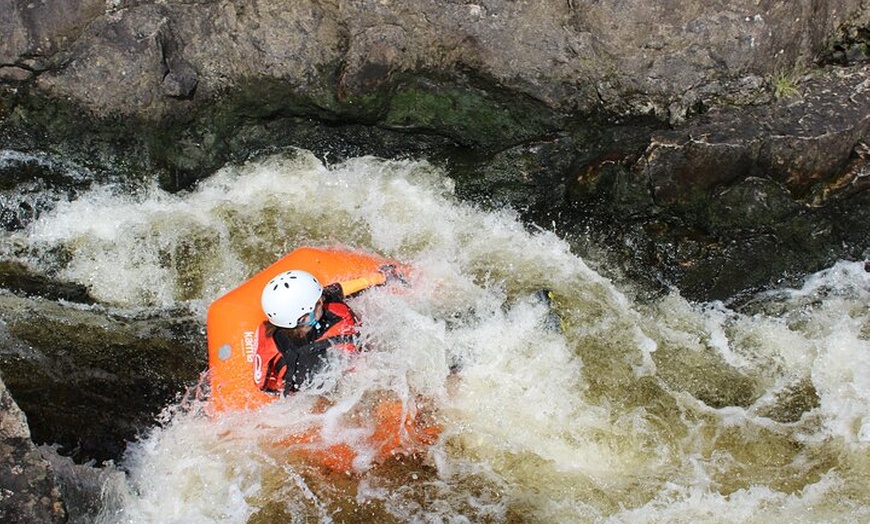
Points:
point(785, 84)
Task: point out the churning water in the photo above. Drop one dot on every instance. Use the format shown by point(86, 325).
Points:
point(661, 411)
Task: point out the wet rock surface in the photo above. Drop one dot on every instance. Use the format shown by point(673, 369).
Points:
point(28, 490)
point(687, 145)
point(90, 381)
point(715, 204)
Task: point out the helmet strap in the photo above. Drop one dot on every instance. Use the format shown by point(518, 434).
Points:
point(312, 321)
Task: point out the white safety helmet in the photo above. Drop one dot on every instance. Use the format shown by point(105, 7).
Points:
point(290, 295)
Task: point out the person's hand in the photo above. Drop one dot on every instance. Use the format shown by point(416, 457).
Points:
point(392, 274)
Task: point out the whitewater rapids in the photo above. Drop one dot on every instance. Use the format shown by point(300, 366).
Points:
point(629, 411)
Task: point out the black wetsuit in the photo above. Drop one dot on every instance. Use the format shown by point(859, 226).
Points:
point(305, 358)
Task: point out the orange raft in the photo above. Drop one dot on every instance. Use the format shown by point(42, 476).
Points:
point(232, 325)
point(233, 319)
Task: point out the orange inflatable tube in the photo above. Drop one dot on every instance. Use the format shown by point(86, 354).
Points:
point(233, 319)
point(397, 432)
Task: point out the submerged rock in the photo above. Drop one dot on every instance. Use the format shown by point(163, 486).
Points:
point(90, 381)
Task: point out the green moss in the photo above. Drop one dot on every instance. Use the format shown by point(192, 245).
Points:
point(472, 116)
point(444, 114)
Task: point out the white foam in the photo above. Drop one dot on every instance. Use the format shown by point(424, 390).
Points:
point(616, 418)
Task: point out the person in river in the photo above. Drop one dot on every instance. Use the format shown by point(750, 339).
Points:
point(305, 320)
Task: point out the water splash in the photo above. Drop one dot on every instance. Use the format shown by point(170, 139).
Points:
point(630, 412)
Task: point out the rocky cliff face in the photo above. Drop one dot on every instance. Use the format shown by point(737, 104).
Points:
point(674, 103)
point(148, 59)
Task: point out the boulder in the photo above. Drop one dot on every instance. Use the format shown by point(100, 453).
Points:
point(715, 204)
point(90, 380)
point(28, 491)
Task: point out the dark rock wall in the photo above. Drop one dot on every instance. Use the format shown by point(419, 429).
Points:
point(143, 57)
point(89, 381)
point(28, 491)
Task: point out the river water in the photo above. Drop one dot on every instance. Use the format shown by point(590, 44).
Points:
point(598, 407)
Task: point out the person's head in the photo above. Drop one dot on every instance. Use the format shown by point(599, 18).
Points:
point(292, 299)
